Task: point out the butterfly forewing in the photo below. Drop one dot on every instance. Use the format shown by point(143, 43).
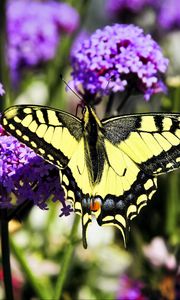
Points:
point(53, 134)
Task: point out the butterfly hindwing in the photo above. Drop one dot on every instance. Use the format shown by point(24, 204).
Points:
point(151, 141)
point(53, 134)
point(124, 189)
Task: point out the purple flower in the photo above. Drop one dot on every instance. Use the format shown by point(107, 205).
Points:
point(130, 289)
point(24, 176)
point(34, 30)
point(169, 15)
point(2, 91)
point(82, 35)
point(118, 58)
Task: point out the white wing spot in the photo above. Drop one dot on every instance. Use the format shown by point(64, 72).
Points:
point(11, 126)
point(27, 110)
point(18, 132)
point(5, 122)
point(26, 138)
point(17, 120)
point(50, 157)
point(33, 144)
point(41, 150)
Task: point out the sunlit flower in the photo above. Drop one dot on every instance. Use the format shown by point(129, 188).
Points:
point(2, 91)
point(158, 254)
point(24, 176)
point(34, 29)
point(118, 58)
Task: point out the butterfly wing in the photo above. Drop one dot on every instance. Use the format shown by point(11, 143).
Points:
point(124, 189)
point(52, 134)
point(57, 137)
point(151, 141)
point(138, 147)
point(78, 187)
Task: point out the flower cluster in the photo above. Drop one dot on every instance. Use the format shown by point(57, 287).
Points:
point(2, 91)
point(34, 29)
point(117, 58)
point(24, 176)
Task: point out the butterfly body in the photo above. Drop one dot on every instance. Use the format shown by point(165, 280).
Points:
point(107, 168)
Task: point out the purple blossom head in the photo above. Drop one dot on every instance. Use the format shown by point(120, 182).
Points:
point(82, 35)
point(118, 58)
point(2, 91)
point(34, 29)
point(169, 15)
point(24, 176)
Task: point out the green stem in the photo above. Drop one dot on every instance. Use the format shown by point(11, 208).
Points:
point(176, 106)
point(68, 253)
point(55, 69)
point(172, 204)
point(6, 256)
point(40, 289)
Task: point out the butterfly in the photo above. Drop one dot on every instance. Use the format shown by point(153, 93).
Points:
point(107, 168)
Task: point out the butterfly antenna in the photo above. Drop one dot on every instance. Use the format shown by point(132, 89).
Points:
point(67, 85)
point(108, 83)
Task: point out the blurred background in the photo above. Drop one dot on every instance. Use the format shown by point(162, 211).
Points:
point(48, 261)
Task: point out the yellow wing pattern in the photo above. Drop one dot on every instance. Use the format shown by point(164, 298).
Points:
point(108, 167)
point(53, 134)
point(151, 141)
point(121, 193)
